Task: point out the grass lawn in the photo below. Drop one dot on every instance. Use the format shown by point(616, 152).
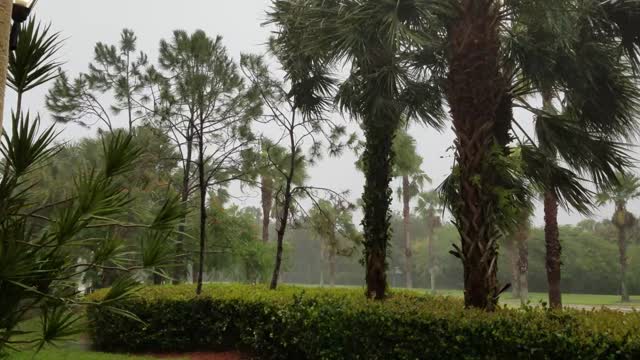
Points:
point(583, 300)
point(74, 348)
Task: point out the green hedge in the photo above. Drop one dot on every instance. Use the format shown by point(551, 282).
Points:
point(299, 323)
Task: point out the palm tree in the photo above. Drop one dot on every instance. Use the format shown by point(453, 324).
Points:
point(6, 9)
point(626, 189)
point(379, 90)
point(429, 206)
point(270, 177)
point(333, 225)
point(407, 167)
point(540, 51)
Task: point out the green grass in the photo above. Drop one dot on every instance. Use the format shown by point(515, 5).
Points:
point(73, 348)
point(588, 300)
point(70, 354)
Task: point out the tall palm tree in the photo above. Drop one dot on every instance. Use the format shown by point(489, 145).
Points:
point(6, 9)
point(407, 167)
point(379, 90)
point(543, 48)
point(626, 189)
point(429, 207)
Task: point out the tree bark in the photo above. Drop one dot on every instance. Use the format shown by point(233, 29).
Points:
point(475, 90)
point(622, 248)
point(378, 160)
point(332, 267)
point(266, 189)
point(523, 262)
point(515, 269)
point(431, 258)
point(284, 218)
point(6, 9)
point(203, 205)
point(553, 249)
point(180, 271)
point(406, 218)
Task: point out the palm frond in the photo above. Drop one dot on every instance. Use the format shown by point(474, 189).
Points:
point(33, 62)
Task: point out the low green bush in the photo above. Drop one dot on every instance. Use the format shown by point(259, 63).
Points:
point(312, 323)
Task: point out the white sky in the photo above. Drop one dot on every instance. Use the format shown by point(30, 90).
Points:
point(85, 22)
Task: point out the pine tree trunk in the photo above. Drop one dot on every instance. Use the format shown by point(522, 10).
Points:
point(266, 190)
point(202, 181)
point(406, 218)
point(6, 8)
point(286, 207)
point(553, 249)
point(475, 90)
point(180, 270)
point(622, 248)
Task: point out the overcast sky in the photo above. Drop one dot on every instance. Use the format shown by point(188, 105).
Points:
point(85, 22)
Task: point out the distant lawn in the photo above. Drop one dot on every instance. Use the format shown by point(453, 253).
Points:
point(567, 299)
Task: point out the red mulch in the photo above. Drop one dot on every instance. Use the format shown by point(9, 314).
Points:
point(203, 356)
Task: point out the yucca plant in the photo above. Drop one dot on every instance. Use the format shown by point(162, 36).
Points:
point(34, 62)
point(41, 245)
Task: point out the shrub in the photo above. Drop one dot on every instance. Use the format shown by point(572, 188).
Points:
point(311, 323)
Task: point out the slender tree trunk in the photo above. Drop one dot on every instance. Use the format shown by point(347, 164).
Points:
point(322, 262)
point(266, 189)
point(553, 249)
point(6, 8)
point(523, 261)
point(180, 270)
point(332, 267)
point(406, 217)
point(515, 269)
point(622, 248)
point(203, 206)
point(431, 258)
point(284, 218)
point(475, 92)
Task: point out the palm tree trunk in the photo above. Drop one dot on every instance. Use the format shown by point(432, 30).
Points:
point(180, 270)
point(622, 248)
point(378, 159)
point(332, 268)
point(515, 269)
point(431, 258)
point(406, 218)
point(475, 91)
point(523, 262)
point(266, 189)
point(553, 249)
point(6, 8)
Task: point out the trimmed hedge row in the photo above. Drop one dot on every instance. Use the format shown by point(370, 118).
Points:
point(306, 323)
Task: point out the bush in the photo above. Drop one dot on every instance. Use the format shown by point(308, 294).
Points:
point(298, 323)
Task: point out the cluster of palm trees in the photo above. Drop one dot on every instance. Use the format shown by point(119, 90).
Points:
point(481, 59)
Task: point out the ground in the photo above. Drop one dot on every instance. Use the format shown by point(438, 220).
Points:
point(77, 347)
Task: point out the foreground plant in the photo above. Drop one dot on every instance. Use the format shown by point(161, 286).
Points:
point(40, 245)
